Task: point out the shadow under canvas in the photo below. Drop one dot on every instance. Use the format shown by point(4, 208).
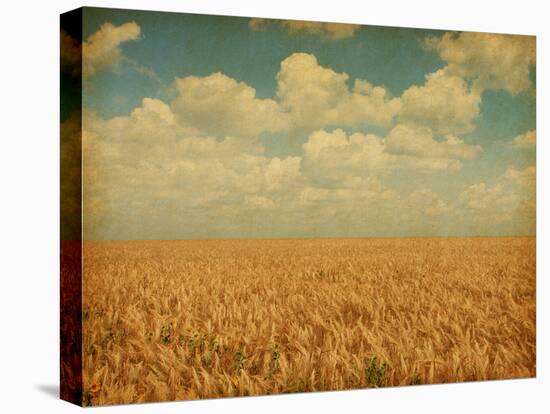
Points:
point(51, 390)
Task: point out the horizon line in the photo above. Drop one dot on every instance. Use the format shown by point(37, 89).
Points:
point(319, 238)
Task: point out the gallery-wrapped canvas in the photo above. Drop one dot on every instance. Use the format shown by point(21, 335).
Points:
point(253, 206)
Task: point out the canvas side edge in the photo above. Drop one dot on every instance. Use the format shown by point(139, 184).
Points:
point(71, 387)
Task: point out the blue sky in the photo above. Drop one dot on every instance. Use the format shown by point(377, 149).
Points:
point(213, 127)
point(200, 45)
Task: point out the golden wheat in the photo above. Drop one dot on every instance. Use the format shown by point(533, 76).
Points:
point(169, 320)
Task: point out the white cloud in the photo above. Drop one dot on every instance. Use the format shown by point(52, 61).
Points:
point(309, 97)
point(444, 103)
point(101, 50)
point(221, 106)
point(332, 31)
point(149, 173)
point(70, 54)
point(438, 208)
point(525, 178)
point(321, 140)
point(415, 140)
point(426, 201)
point(317, 96)
point(492, 61)
point(258, 202)
point(526, 140)
point(198, 156)
point(353, 194)
point(482, 196)
point(310, 195)
point(282, 174)
point(71, 175)
point(148, 163)
point(511, 198)
point(333, 158)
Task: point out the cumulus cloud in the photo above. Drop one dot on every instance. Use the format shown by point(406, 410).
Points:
point(70, 54)
point(418, 141)
point(332, 31)
point(369, 189)
point(492, 61)
point(526, 177)
point(220, 106)
point(444, 103)
point(317, 96)
point(149, 164)
point(153, 125)
point(334, 159)
point(196, 163)
point(526, 140)
point(101, 50)
point(258, 202)
point(309, 96)
point(511, 198)
point(282, 174)
point(310, 195)
point(426, 201)
point(71, 176)
point(438, 208)
point(482, 196)
point(148, 173)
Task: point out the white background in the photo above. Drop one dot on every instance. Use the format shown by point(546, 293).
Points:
point(29, 193)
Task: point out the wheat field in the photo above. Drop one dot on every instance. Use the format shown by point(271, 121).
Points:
point(178, 320)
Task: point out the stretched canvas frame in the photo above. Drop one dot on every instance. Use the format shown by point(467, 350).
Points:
point(242, 216)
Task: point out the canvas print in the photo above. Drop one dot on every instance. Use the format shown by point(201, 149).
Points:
point(253, 206)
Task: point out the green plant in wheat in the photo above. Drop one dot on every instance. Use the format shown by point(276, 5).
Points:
point(274, 361)
point(240, 361)
point(166, 334)
point(414, 379)
point(375, 372)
